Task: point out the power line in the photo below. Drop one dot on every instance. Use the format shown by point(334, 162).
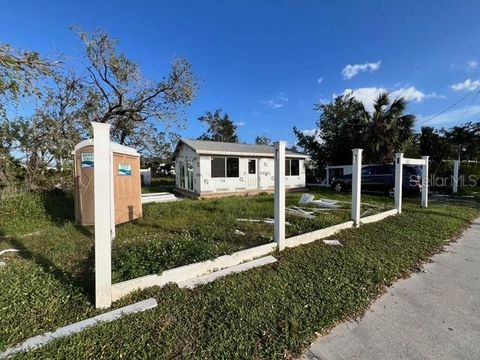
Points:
point(466, 109)
point(477, 88)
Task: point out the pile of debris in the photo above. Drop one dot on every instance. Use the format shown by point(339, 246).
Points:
point(309, 212)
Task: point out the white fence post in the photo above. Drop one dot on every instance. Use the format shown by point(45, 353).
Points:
point(398, 181)
point(279, 203)
point(356, 185)
point(102, 193)
point(425, 182)
point(456, 170)
point(112, 197)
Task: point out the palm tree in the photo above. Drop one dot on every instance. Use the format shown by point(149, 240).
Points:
point(389, 128)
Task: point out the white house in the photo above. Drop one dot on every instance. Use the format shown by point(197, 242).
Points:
point(209, 168)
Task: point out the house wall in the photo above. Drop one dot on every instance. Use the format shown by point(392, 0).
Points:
point(204, 184)
point(213, 185)
point(265, 176)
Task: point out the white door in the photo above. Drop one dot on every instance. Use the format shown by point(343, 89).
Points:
point(252, 177)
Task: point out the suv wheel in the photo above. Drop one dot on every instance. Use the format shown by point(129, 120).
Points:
point(390, 192)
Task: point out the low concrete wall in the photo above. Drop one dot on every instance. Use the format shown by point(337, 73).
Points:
point(378, 217)
point(317, 234)
point(187, 272)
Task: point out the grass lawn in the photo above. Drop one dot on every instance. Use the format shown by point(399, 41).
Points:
point(265, 313)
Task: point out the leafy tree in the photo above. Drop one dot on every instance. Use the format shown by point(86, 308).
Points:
point(345, 124)
point(388, 129)
point(19, 71)
point(340, 128)
point(119, 94)
point(263, 140)
point(19, 75)
point(464, 140)
point(434, 144)
point(220, 127)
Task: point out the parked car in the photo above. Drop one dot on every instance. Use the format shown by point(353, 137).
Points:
point(381, 179)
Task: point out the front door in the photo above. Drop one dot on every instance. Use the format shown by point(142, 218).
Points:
point(252, 177)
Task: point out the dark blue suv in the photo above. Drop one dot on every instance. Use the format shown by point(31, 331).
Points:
point(381, 179)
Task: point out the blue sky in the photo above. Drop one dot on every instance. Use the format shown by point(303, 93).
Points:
point(267, 63)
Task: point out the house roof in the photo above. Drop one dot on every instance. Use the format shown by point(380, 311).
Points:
point(224, 148)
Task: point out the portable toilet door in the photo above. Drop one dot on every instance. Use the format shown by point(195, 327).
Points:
point(125, 170)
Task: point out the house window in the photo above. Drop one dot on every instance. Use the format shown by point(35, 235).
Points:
point(233, 168)
point(287, 167)
point(218, 167)
point(225, 167)
point(252, 166)
point(292, 167)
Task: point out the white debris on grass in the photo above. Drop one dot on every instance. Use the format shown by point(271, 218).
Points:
point(8, 250)
point(324, 209)
point(159, 198)
point(310, 199)
point(265, 221)
point(297, 211)
point(326, 204)
point(367, 212)
point(238, 232)
point(332, 242)
point(306, 198)
point(3, 263)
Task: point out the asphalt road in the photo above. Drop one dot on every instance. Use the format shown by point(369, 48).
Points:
point(434, 314)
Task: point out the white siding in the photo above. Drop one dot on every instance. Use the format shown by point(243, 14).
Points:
point(215, 185)
point(266, 168)
point(267, 175)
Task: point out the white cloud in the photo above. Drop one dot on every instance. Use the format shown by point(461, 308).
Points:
point(365, 95)
point(272, 104)
point(472, 64)
point(349, 71)
point(276, 103)
point(409, 94)
point(313, 132)
point(466, 85)
point(368, 95)
point(319, 80)
point(467, 66)
point(309, 132)
point(240, 123)
point(434, 95)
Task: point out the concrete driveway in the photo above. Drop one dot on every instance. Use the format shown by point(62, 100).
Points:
point(431, 315)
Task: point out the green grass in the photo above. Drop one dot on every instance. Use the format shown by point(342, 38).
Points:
point(265, 313)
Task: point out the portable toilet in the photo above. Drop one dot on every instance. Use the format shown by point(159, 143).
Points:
point(125, 170)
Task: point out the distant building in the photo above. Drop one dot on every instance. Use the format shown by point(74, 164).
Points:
point(209, 168)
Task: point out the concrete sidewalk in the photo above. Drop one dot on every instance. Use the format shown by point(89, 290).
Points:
point(431, 315)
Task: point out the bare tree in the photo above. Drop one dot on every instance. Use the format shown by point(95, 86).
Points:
point(121, 96)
